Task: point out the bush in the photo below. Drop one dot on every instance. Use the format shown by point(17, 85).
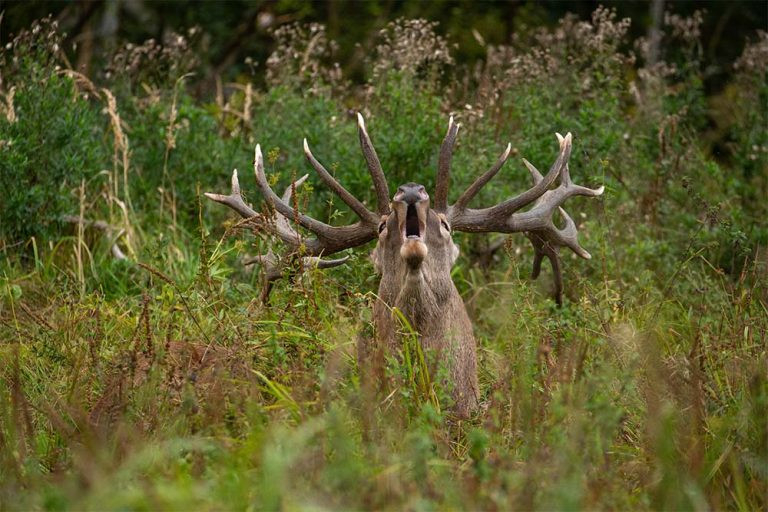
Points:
point(54, 143)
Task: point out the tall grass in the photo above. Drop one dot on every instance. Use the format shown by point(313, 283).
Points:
point(161, 381)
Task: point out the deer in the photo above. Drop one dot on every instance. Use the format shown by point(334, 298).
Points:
point(415, 251)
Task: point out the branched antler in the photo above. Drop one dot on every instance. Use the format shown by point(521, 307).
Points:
point(274, 266)
point(548, 239)
point(327, 239)
point(509, 216)
point(537, 222)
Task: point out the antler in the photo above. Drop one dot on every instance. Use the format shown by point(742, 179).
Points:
point(275, 267)
point(328, 239)
point(537, 222)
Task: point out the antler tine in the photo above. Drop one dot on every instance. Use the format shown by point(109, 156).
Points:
point(288, 194)
point(278, 204)
point(569, 236)
point(541, 249)
point(274, 268)
point(272, 272)
point(444, 166)
point(283, 228)
point(269, 261)
point(578, 190)
point(522, 200)
point(317, 262)
point(354, 203)
point(481, 181)
point(319, 228)
point(234, 200)
point(374, 167)
point(330, 239)
point(537, 177)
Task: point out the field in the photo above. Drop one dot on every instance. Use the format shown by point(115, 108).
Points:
point(140, 369)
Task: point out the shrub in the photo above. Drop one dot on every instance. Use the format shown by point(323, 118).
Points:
point(55, 142)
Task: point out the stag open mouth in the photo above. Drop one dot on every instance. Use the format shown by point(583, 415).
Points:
point(412, 228)
point(413, 223)
point(411, 205)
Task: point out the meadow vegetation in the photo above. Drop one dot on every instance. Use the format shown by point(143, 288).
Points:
point(158, 379)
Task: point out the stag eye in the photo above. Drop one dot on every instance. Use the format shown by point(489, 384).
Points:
point(445, 225)
point(382, 226)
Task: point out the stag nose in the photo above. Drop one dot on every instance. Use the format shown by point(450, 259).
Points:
point(411, 193)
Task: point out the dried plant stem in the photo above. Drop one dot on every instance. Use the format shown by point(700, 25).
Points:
point(155, 272)
point(10, 111)
point(80, 241)
point(170, 144)
point(247, 106)
point(121, 156)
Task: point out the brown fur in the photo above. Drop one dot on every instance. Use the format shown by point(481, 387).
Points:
point(416, 279)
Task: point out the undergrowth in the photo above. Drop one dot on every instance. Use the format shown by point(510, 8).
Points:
point(158, 379)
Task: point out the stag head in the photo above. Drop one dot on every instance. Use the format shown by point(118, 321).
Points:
point(413, 235)
point(415, 250)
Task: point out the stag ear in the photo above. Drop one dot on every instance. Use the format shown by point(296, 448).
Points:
point(454, 253)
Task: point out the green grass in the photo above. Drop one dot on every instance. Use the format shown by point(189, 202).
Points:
point(162, 381)
point(621, 399)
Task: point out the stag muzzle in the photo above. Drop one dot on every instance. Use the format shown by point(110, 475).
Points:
point(411, 205)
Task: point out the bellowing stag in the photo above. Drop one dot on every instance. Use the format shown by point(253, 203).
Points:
point(414, 252)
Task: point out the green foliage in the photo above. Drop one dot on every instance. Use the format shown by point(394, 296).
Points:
point(749, 106)
point(171, 159)
point(161, 382)
point(54, 143)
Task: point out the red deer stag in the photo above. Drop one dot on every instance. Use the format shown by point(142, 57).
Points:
point(415, 252)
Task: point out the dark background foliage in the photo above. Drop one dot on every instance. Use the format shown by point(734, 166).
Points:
point(235, 30)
